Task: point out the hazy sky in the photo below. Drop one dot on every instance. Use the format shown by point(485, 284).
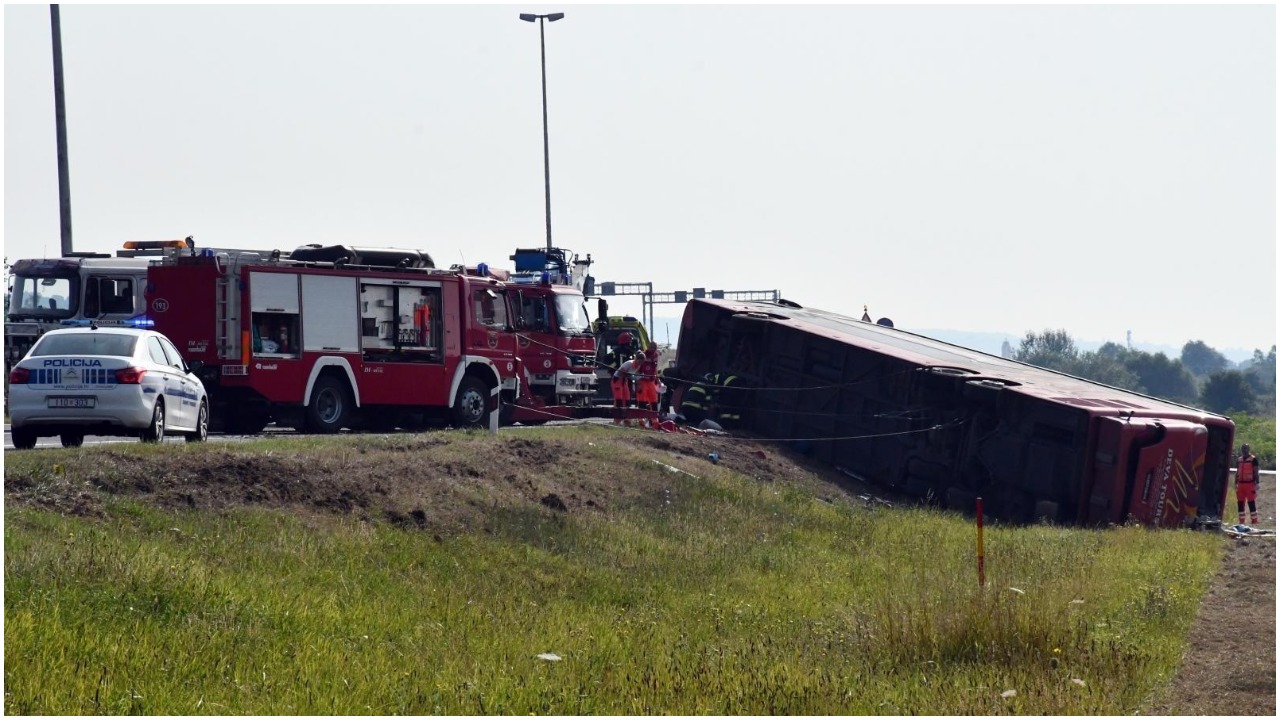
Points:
point(998, 168)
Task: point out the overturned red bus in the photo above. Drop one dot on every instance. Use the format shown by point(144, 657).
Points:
point(950, 424)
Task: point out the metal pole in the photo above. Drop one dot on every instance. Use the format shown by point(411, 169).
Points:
point(982, 570)
point(546, 145)
point(60, 121)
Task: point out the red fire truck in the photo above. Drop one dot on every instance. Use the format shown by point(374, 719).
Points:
point(555, 341)
point(330, 337)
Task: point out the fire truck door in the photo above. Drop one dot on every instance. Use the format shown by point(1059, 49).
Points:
point(489, 333)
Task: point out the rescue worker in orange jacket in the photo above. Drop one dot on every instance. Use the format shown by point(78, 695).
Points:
point(1247, 484)
point(647, 382)
point(621, 384)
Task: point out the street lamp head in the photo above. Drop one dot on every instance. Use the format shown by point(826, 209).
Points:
point(528, 17)
point(555, 16)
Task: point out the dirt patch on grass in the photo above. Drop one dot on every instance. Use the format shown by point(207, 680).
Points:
point(1230, 664)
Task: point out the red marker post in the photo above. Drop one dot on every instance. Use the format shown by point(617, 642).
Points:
point(982, 575)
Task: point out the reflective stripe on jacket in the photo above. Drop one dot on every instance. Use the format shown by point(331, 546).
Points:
point(695, 401)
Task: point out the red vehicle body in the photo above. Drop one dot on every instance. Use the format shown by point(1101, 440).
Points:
point(554, 342)
point(949, 424)
point(338, 337)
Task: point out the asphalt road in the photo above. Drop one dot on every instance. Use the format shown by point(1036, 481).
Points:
point(54, 442)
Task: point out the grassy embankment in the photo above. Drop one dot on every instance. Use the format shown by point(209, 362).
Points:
point(719, 595)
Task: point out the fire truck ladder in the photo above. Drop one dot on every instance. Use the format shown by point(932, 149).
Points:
point(227, 313)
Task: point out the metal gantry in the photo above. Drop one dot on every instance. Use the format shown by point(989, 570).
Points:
point(649, 298)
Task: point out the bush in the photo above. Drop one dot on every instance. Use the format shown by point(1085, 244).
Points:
point(1260, 435)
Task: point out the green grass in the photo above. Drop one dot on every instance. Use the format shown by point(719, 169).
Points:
point(1259, 433)
point(719, 595)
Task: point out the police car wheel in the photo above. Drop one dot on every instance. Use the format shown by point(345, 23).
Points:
point(72, 439)
point(155, 431)
point(24, 439)
point(201, 432)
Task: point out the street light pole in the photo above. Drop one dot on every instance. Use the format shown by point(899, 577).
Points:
point(60, 132)
point(546, 143)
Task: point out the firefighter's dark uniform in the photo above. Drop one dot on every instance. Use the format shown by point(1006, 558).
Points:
point(696, 404)
point(729, 400)
point(723, 391)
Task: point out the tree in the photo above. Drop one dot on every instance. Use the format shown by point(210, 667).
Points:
point(1162, 377)
point(1227, 392)
point(1053, 349)
point(1107, 369)
point(1261, 371)
point(1201, 359)
point(1113, 350)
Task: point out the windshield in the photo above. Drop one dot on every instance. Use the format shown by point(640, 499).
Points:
point(43, 297)
point(86, 343)
point(571, 311)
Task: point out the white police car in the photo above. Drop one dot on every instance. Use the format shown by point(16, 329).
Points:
point(105, 381)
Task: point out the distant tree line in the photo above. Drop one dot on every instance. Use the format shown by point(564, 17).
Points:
point(1201, 376)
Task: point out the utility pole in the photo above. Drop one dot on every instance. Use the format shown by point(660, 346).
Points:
point(60, 119)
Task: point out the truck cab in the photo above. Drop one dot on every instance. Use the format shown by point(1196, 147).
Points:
point(555, 341)
point(608, 329)
point(50, 293)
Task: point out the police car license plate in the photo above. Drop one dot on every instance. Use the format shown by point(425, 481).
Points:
point(72, 402)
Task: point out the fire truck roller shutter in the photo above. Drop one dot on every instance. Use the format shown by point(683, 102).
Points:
point(331, 316)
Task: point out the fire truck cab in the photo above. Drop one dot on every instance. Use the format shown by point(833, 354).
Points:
point(330, 337)
point(554, 338)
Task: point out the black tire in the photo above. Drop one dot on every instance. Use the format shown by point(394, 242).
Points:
point(71, 439)
point(201, 433)
point(1046, 511)
point(155, 431)
point(329, 407)
point(961, 500)
point(24, 439)
point(471, 406)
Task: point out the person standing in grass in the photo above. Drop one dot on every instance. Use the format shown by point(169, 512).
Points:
point(1247, 484)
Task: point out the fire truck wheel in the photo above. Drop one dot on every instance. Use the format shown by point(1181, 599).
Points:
point(155, 431)
point(201, 432)
point(72, 439)
point(329, 407)
point(471, 408)
point(24, 439)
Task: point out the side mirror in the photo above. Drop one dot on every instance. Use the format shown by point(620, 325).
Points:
point(194, 366)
